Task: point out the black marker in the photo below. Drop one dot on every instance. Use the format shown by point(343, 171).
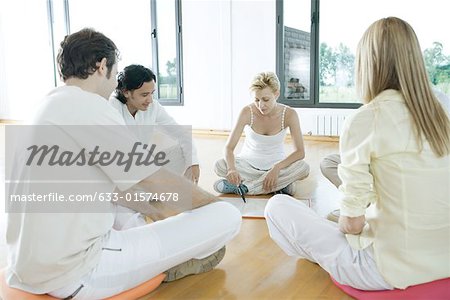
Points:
point(241, 192)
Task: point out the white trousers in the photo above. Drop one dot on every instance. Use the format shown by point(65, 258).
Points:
point(134, 255)
point(253, 178)
point(300, 232)
point(329, 168)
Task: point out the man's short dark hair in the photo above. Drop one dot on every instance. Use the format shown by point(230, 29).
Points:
point(132, 78)
point(81, 51)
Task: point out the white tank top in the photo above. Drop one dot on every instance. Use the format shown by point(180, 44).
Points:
point(263, 151)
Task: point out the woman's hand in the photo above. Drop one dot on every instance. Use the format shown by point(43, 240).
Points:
point(233, 177)
point(352, 225)
point(271, 180)
point(193, 173)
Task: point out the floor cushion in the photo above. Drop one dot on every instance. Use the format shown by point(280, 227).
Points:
point(8, 293)
point(435, 290)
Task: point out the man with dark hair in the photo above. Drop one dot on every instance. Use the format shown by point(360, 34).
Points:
point(80, 53)
point(82, 254)
point(134, 100)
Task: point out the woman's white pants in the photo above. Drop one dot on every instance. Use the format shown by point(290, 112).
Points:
point(301, 232)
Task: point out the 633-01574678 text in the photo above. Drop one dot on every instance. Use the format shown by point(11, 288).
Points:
point(139, 197)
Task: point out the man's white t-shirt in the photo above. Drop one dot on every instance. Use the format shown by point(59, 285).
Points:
point(157, 115)
point(48, 251)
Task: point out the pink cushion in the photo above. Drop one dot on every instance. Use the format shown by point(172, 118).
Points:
point(436, 290)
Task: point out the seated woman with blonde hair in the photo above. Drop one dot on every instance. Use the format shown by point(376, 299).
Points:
point(262, 166)
point(394, 225)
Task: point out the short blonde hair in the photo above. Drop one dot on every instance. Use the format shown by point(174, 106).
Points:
point(389, 57)
point(265, 79)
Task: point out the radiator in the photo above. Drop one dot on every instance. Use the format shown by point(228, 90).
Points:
point(328, 124)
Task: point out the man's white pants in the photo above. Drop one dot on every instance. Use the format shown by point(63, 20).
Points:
point(301, 232)
point(140, 251)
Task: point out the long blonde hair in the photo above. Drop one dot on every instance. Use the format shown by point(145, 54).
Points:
point(389, 57)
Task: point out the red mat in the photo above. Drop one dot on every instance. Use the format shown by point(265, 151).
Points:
point(435, 290)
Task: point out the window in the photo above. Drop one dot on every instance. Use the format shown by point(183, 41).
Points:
point(147, 32)
point(167, 50)
point(324, 48)
point(295, 45)
point(127, 24)
point(59, 20)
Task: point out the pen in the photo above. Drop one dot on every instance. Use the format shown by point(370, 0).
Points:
point(241, 192)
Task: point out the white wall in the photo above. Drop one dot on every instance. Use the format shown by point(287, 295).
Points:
point(226, 42)
point(26, 74)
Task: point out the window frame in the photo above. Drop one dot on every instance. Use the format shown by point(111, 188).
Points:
point(179, 101)
point(50, 21)
point(313, 101)
point(52, 35)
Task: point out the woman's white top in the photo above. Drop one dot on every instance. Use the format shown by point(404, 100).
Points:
point(408, 187)
point(263, 151)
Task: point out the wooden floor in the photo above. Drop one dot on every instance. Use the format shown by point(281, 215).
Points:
point(254, 267)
